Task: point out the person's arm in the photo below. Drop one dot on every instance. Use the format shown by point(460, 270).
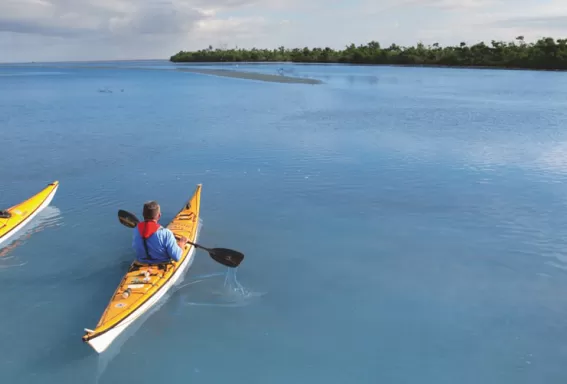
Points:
point(134, 238)
point(174, 248)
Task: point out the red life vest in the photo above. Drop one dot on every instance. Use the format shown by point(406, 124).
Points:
point(147, 228)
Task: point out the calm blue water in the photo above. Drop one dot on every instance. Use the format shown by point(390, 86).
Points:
point(400, 225)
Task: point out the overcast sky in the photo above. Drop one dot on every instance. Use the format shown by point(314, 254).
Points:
point(52, 30)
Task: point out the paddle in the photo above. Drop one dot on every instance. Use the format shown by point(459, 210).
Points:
point(224, 256)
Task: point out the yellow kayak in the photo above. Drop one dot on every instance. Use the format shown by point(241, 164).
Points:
point(143, 285)
point(15, 218)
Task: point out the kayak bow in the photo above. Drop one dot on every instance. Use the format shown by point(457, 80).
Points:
point(16, 217)
point(143, 284)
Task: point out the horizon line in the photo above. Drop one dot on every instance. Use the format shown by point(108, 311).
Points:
point(78, 61)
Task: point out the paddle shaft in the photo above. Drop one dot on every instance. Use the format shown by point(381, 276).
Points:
point(194, 244)
point(199, 246)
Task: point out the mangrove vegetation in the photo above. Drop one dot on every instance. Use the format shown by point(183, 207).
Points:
point(546, 53)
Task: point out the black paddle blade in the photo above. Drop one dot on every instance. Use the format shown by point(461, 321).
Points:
point(128, 219)
point(225, 256)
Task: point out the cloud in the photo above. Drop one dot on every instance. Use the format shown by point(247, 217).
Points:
point(528, 18)
point(158, 18)
point(557, 22)
point(106, 29)
point(449, 4)
point(79, 17)
point(118, 29)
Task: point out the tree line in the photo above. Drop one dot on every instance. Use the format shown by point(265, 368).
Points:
point(546, 53)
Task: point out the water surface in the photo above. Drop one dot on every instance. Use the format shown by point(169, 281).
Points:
point(400, 225)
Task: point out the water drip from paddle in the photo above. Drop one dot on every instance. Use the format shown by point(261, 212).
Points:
point(232, 285)
point(209, 290)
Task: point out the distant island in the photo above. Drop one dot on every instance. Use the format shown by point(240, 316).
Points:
point(544, 54)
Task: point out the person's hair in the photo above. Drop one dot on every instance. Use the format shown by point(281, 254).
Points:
point(151, 210)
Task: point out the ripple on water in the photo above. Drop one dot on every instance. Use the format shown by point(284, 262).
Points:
point(218, 290)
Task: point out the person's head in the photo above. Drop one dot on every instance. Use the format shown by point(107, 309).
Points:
point(151, 211)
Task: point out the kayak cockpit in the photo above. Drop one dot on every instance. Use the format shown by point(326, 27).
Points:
point(4, 214)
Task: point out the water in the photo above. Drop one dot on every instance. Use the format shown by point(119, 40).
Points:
point(400, 225)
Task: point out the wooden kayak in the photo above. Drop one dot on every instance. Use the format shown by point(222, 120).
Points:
point(144, 285)
point(16, 217)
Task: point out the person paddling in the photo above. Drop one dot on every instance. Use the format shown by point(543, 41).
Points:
point(153, 243)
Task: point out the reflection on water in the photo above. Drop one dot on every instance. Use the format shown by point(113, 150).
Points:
point(106, 357)
point(49, 217)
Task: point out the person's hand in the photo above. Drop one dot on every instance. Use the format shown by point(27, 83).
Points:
point(182, 241)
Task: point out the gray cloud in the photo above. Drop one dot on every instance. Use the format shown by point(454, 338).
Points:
point(41, 28)
point(79, 17)
point(119, 29)
point(558, 22)
point(158, 18)
point(448, 4)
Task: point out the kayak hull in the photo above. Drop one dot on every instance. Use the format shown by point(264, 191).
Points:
point(24, 212)
point(145, 285)
point(102, 342)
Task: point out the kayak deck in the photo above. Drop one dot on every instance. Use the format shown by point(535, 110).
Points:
point(143, 284)
point(22, 213)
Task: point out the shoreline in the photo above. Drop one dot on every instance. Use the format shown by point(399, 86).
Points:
point(504, 68)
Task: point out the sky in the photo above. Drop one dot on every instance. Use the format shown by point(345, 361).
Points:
point(69, 30)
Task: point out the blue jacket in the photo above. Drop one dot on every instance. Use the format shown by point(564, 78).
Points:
point(162, 247)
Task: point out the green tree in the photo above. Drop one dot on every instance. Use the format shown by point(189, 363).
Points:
point(545, 53)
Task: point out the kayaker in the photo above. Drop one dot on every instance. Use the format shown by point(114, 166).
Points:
point(160, 245)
